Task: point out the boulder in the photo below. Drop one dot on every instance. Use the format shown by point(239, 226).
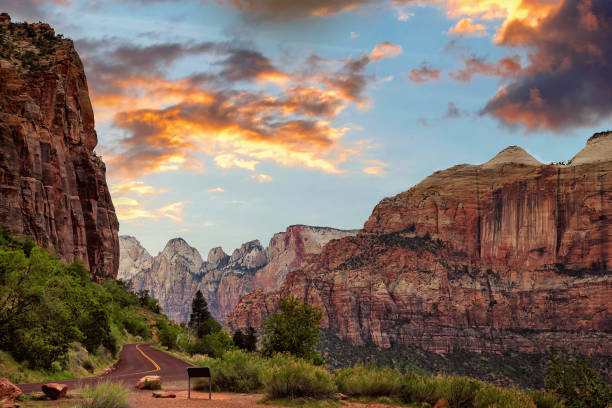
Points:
point(150, 382)
point(164, 394)
point(442, 403)
point(8, 390)
point(342, 396)
point(55, 390)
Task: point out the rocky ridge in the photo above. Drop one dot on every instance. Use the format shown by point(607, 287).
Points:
point(178, 271)
point(508, 256)
point(52, 183)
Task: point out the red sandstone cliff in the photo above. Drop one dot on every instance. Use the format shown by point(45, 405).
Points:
point(510, 255)
point(52, 184)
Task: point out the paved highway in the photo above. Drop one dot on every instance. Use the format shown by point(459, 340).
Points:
point(135, 361)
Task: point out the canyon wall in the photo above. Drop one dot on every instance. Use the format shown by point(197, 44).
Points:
point(509, 255)
point(52, 184)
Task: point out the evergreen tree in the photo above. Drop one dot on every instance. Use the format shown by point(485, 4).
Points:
point(238, 339)
point(200, 320)
point(250, 339)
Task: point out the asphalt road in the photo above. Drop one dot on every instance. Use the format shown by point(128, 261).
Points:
point(135, 361)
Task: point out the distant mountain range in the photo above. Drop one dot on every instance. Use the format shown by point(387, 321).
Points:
point(177, 272)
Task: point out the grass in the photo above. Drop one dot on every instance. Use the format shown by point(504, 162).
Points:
point(369, 381)
point(105, 395)
point(294, 378)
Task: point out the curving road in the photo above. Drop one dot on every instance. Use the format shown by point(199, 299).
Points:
point(135, 361)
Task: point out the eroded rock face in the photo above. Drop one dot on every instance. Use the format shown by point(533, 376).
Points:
point(52, 184)
point(178, 271)
point(510, 255)
point(134, 258)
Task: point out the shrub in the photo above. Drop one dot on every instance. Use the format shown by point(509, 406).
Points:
point(494, 397)
point(577, 383)
point(237, 371)
point(289, 378)
point(544, 399)
point(369, 381)
point(213, 344)
point(459, 391)
point(420, 389)
point(168, 335)
point(105, 395)
point(88, 365)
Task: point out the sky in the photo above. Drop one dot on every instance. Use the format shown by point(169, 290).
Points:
point(223, 122)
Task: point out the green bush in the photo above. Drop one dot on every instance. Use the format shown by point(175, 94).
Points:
point(577, 383)
point(237, 371)
point(105, 395)
point(213, 344)
point(369, 381)
point(420, 389)
point(168, 334)
point(494, 397)
point(544, 399)
point(460, 391)
point(290, 378)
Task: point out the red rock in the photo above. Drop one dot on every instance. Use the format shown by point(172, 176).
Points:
point(8, 390)
point(164, 394)
point(149, 381)
point(52, 184)
point(342, 397)
point(442, 403)
point(510, 255)
point(55, 390)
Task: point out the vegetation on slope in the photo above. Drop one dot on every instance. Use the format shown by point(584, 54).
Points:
point(52, 314)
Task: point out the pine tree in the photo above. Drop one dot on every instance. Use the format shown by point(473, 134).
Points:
point(238, 339)
point(200, 315)
point(250, 339)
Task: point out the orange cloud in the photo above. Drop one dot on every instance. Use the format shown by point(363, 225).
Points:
point(135, 187)
point(262, 178)
point(466, 26)
point(423, 74)
point(132, 211)
point(385, 50)
point(377, 168)
point(505, 67)
point(215, 190)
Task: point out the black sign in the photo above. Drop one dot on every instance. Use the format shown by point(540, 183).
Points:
point(199, 372)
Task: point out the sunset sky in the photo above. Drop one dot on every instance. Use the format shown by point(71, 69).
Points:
point(226, 121)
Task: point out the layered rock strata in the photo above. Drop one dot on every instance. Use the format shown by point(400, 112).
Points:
point(509, 255)
point(52, 184)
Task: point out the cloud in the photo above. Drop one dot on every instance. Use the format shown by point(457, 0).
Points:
point(452, 112)
point(215, 190)
point(376, 168)
point(385, 50)
point(168, 124)
point(132, 211)
point(281, 11)
point(207, 224)
point(505, 67)
point(135, 187)
point(423, 74)
point(466, 26)
point(567, 83)
point(30, 10)
point(261, 178)
point(354, 35)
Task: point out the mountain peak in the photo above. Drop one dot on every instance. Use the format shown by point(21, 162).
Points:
point(179, 247)
point(598, 148)
point(512, 154)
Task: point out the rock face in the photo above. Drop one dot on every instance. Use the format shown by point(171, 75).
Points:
point(134, 258)
point(52, 184)
point(510, 255)
point(178, 271)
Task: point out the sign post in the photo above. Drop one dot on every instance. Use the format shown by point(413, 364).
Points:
point(199, 372)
